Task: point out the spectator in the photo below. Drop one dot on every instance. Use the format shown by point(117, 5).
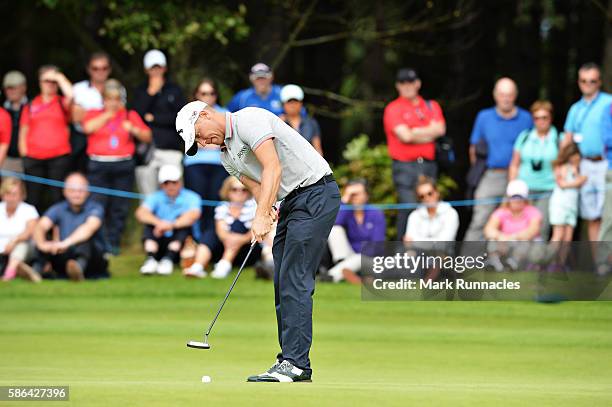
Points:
point(499, 127)
point(262, 94)
point(206, 161)
point(14, 84)
point(5, 135)
point(168, 216)
point(110, 147)
point(158, 101)
point(584, 125)
point(412, 125)
point(564, 200)
point(87, 97)
point(17, 222)
point(44, 138)
point(354, 228)
point(292, 97)
point(79, 253)
point(604, 258)
point(534, 152)
point(233, 220)
point(510, 225)
point(434, 220)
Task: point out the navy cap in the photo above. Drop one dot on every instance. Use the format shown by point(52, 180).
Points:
point(407, 75)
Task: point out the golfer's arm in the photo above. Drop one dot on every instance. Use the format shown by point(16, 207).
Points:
point(270, 176)
point(84, 232)
point(252, 185)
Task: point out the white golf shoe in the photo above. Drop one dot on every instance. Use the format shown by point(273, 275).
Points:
point(222, 269)
point(149, 267)
point(165, 267)
point(196, 271)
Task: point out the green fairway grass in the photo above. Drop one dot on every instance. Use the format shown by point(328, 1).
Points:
point(121, 342)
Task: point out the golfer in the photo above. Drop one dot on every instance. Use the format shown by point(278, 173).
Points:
point(276, 163)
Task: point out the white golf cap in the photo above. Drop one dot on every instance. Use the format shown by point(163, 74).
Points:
point(185, 124)
point(517, 187)
point(289, 92)
point(169, 172)
point(154, 57)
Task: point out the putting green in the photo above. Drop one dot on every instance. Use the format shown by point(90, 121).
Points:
point(121, 342)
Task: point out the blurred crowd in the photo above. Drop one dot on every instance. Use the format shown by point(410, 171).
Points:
point(87, 134)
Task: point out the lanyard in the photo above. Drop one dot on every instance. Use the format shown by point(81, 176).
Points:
point(579, 124)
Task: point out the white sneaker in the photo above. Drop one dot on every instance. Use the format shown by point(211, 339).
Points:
point(196, 270)
point(165, 267)
point(222, 269)
point(149, 267)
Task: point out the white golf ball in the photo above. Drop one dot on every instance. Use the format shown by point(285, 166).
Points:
point(206, 379)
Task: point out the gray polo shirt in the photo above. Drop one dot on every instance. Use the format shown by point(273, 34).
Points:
point(247, 128)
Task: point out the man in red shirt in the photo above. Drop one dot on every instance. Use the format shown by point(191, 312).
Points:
point(6, 128)
point(412, 125)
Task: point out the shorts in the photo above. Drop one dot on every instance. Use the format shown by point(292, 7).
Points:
point(593, 192)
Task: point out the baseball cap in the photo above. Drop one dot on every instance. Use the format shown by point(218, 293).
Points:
point(518, 188)
point(185, 124)
point(154, 57)
point(169, 172)
point(289, 92)
point(261, 70)
point(407, 75)
point(13, 78)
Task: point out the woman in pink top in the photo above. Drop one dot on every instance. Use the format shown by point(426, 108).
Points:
point(510, 226)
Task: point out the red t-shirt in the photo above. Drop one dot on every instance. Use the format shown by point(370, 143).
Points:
point(6, 127)
point(112, 139)
point(48, 135)
point(403, 111)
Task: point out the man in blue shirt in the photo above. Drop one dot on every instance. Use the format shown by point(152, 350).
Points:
point(80, 249)
point(262, 94)
point(498, 127)
point(168, 216)
point(605, 233)
point(584, 125)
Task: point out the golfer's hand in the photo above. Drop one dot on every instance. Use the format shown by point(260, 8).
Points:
point(262, 225)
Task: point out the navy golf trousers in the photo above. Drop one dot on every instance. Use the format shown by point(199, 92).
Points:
point(306, 218)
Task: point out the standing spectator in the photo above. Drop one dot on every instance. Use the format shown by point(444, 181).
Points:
point(412, 125)
point(87, 96)
point(434, 220)
point(14, 84)
point(604, 259)
point(17, 222)
point(158, 101)
point(206, 161)
point(584, 125)
point(79, 253)
point(510, 226)
point(5, 134)
point(535, 150)
point(44, 138)
point(233, 220)
point(262, 94)
point(110, 147)
point(354, 228)
point(499, 127)
point(168, 216)
point(292, 97)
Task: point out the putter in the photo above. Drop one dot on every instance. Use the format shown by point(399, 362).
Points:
point(205, 345)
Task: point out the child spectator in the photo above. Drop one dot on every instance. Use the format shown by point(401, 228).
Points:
point(17, 222)
point(168, 215)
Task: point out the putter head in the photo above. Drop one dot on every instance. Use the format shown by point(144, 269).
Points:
point(198, 345)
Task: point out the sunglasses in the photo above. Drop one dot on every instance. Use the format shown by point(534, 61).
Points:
point(238, 189)
point(213, 93)
point(589, 81)
point(425, 195)
point(99, 68)
point(546, 117)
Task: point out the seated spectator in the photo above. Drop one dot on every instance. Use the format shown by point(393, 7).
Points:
point(434, 220)
point(233, 220)
point(44, 138)
point(17, 222)
point(111, 134)
point(292, 97)
point(79, 252)
point(533, 153)
point(513, 223)
point(352, 229)
point(15, 87)
point(168, 215)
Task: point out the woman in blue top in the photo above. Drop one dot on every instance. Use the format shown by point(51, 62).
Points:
point(534, 151)
point(204, 173)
